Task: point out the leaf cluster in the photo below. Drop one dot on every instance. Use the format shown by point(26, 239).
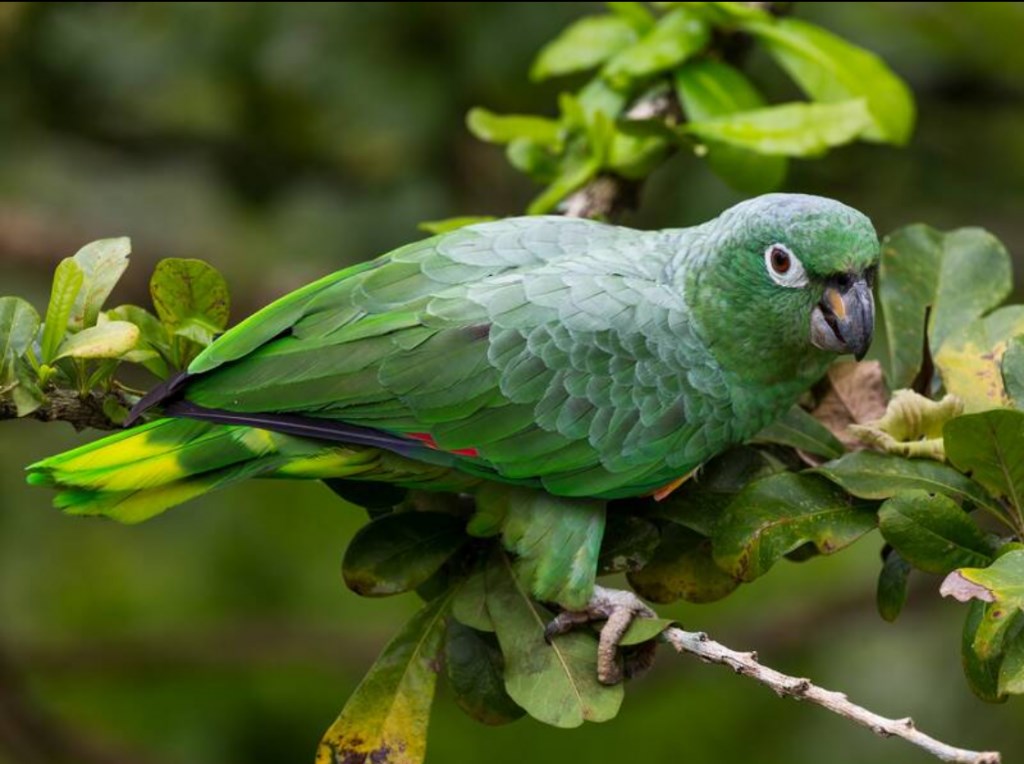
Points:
point(79, 345)
point(658, 81)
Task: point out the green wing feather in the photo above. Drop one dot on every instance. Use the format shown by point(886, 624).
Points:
point(556, 349)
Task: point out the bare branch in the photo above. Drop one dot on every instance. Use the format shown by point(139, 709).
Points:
point(80, 411)
point(747, 664)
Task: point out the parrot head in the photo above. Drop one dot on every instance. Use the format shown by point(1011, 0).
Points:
point(790, 276)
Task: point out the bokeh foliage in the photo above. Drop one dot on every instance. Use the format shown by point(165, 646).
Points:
point(271, 150)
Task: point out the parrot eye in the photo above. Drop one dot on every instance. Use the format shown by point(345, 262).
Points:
point(784, 267)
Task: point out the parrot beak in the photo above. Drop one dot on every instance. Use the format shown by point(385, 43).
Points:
point(844, 320)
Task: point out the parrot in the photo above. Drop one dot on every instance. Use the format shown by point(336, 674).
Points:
point(545, 366)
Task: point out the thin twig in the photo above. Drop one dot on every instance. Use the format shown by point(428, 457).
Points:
point(747, 664)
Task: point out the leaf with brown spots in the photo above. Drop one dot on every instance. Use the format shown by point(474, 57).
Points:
point(774, 516)
point(682, 568)
point(385, 720)
point(970, 361)
point(1001, 586)
point(191, 298)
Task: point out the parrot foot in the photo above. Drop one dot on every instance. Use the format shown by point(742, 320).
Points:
point(617, 608)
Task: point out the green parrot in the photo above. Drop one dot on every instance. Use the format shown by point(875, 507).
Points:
point(545, 365)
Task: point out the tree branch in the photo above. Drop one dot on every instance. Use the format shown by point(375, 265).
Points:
point(80, 411)
point(798, 688)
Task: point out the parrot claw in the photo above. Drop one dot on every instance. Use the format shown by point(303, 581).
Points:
point(617, 608)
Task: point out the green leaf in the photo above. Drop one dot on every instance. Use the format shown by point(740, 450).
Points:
point(385, 720)
point(969, 361)
point(539, 163)
point(628, 543)
point(102, 262)
point(682, 568)
point(1001, 586)
point(831, 70)
point(932, 533)
point(870, 475)
point(586, 43)
point(677, 36)
point(644, 630)
point(726, 14)
point(67, 283)
point(557, 541)
point(700, 501)
point(990, 447)
point(152, 337)
point(982, 675)
point(1013, 371)
point(19, 325)
point(779, 514)
point(504, 128)
point(108, 340)
point(707, 89)
point(470, 603)
point(574, 176)
point(798, 429)
point(398, 552)
point(634, 157)
point(891, 595)
point(190, 293)
point(996, 624)
point(453, 224)
point(635, 13)
point(961, 274)
point(1011, 669)
point(555, 683)
point(475, 671)
point(792, 129)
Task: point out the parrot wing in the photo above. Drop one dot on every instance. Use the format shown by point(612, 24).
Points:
point(528, 348)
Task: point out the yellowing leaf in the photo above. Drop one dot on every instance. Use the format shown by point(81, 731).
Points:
point(911, 426)
point(385, 721)
point(970, 360)
point(109, 340)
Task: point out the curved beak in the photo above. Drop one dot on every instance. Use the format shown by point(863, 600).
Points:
point(844, 320)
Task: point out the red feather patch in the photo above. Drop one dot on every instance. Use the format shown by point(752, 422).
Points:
point(428, 440)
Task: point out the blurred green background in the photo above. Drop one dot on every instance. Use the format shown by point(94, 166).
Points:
point(281, 141)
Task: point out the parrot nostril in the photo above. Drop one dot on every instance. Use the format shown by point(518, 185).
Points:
point(844, 280)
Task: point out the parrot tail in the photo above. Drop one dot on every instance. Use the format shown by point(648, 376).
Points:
point(136, 474)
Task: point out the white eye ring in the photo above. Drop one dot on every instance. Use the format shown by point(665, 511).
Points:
point(784, 267)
